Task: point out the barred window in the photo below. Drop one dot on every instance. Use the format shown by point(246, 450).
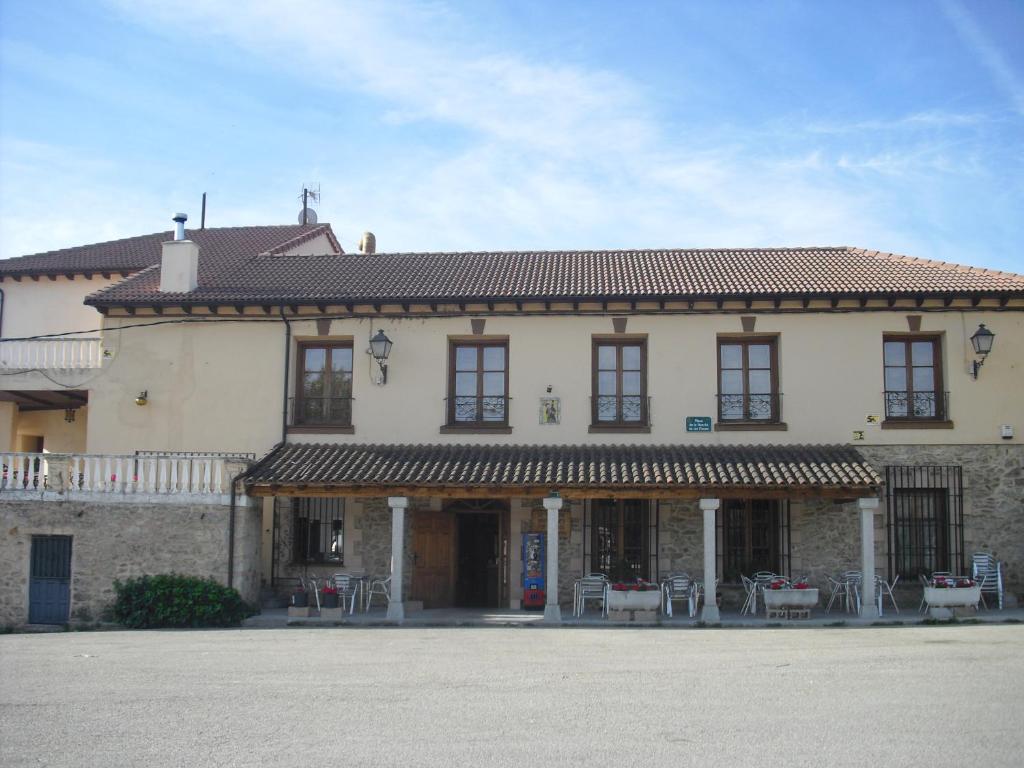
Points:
point(319, 530)
point(924, 520)
point(754, 535)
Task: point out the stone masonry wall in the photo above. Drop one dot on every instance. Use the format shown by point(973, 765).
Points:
point(117, 541)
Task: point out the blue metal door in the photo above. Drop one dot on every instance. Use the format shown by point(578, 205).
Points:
point(49, 590)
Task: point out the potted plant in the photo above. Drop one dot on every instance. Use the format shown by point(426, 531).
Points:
point(299, 598)
point(329, 597)
point(634, 595)
point(952, 592)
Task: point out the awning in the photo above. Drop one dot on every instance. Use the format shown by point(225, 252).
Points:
point(576, 471)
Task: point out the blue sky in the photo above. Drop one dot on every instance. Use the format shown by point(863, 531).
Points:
point(485, 125)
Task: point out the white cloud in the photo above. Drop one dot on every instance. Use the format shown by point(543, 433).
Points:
point(987, 52)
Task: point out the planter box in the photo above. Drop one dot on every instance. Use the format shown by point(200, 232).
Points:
point(790, 598)
point(333, 614)
point(297, 612)
point(955, 597)
point(634, 601)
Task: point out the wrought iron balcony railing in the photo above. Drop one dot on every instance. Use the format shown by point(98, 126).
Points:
point(916, 405)
point(464, 410)
point(765, 408)
point(320, 412)
point(620, 410)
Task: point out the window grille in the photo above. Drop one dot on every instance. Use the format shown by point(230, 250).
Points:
point(318, 530)
point(924, 520)
point(753, 535)
point(620, 539)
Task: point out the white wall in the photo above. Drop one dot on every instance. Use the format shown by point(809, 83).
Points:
point(219, 386)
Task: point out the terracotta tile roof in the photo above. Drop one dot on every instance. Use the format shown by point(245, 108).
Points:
point(566, 467)
point(220, 247)
point(580, 275)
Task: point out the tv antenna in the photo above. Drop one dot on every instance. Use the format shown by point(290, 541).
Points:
point(307, 215)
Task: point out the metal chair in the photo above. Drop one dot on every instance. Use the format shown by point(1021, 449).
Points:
point(853, 580)
point(592, 587)
point(988, 573)
point(750, 603)
point(311, 583)
point(924, 583)
point(678, 586)
point(378, 587)
point(348, 587)
point(882, 588)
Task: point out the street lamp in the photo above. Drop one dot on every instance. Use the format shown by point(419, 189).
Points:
point(380, 348)
point(982, 343)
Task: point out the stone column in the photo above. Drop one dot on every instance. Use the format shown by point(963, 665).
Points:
point(552, 611)
point(710, 611)
point(868, 507)
point(396, 606)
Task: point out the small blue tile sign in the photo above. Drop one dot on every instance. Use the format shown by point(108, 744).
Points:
point(698, 423)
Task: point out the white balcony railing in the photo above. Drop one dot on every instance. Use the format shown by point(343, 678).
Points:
point(164, 478)
point(52, 354)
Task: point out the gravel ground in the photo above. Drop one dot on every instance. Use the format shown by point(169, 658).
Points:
point(926, 696)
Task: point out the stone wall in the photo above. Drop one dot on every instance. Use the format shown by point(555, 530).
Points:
point(993, 500)
point(120, 540)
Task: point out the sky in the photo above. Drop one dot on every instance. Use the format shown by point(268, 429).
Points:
point(482, 125)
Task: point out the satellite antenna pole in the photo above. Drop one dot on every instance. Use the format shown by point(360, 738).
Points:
point(305, 194)
point(202, 219)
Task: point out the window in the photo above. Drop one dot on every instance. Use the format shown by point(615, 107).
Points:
point(478, 384)
point(619, 383)
point(913, 378)
point(748, 380)
point(754, 537)
point(620, 535)
point(324, 386)
point(925, 520)
point(318, 531)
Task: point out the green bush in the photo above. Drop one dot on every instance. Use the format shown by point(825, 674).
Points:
point(172, 600)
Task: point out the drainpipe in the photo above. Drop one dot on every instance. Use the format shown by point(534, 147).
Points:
point(287, 362)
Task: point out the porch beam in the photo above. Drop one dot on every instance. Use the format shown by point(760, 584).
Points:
point(710, 611)
point(539, 492)
point(396, 606)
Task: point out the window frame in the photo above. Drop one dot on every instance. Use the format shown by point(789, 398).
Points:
point(775, 395)
point(480, 343)
point(618, 424)
point(616, 510)
point(939, 391)
point(300, 382)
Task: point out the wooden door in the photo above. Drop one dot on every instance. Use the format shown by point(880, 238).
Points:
point(433, 535)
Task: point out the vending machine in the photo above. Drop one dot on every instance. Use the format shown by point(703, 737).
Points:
point(534, 568)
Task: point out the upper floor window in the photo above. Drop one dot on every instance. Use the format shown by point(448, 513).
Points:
point(478, 383)
point(323, 393)
point(748, 380)
point(619, 383)
point(913, 377)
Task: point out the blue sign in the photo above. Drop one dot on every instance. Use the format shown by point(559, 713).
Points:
point(698, 423)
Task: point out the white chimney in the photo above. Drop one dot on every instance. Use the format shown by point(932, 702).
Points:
point(179, 262)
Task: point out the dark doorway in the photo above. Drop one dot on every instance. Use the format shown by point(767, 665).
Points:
point(478, 575)
point(49, 593)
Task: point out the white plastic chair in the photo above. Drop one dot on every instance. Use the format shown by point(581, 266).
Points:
point(592, 587)
point(678, 586)
point(348, 587)
point(988, 573)
point(378, 587)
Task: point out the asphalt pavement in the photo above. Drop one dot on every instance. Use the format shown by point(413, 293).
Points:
point(907, 696)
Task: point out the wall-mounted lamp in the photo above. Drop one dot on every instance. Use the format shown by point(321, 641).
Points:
point(69, 415)
point(982, 343)
point(143, 397)
point(380, 348)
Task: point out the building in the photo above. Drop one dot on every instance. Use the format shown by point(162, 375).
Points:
point(802, 410)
